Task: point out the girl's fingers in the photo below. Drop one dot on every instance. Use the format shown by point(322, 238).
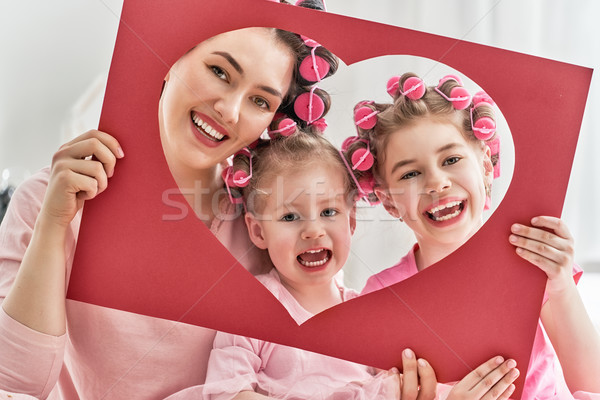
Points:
point(478, 374)
point(495, 384)
point(410, 380)
point(553, 223)
point(507, 393)
point(537, 237)
point(427, 381)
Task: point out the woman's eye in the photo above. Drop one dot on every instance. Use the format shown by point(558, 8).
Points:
point(219, 72)
point(261, 103)
point(289, 217)
point(452, 160)
point(410, 175)
point(329, 212)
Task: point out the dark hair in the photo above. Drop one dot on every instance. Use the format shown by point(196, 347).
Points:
point(300, 51)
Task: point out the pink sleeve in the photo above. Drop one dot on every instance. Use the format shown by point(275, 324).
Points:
point(233, 366)
point(30, 361)
point(577, 272)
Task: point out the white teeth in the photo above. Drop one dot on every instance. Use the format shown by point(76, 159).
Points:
point(314, 251)
point(206, 128)
point(314, 263)
point(449, 216)
point(447, 205)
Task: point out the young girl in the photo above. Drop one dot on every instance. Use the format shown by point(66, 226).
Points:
point(54, 348)
point(300, 208)
point(433, 170)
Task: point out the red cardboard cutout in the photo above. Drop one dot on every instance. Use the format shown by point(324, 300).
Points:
point(478, 302)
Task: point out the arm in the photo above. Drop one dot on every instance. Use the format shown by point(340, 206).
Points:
point(37, 297)
point(548, 244)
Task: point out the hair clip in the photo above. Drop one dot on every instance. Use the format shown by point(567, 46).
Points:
point(459, 96)
point(309, 107)
point(365, 117)
point(285, 127)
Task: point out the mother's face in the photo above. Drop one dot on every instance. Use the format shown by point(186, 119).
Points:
point(222, 95)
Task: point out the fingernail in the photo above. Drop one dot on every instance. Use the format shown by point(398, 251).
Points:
point(408, 353)
point(422, 363)
point(513, 239)
point(511, 363)
point(499, 360)
point(535, 220)
point(395, 370)
point(514, 373)
point(120, 152)
point(516, 228)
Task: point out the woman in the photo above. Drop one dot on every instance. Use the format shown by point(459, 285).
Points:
point(50, 347)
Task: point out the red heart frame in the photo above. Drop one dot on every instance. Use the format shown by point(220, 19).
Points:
point(454, 322)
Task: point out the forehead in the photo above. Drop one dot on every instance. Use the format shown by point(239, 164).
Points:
point(255, 40)
point(425, 137)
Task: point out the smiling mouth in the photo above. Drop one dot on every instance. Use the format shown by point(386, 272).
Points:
point(447, 211)
point(314, 258)
point(207, 130)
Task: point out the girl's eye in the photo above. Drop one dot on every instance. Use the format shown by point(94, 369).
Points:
point(289, 217)
point(451, 160)
point(219, 72)
point(410, 175)
point(329, 212)
point(261, 103)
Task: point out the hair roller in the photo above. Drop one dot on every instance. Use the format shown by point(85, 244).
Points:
point(482, 97)
point(285, 127)
point(413, 88)
point(393, 86)
point(314, 68)
point(362, 158)
point(365, 117)
point(459, 96)
point(494, 146)
point(309, 106)
point(240, 178)
point(227, 176)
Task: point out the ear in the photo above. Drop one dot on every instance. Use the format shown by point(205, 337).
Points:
point(255, 231)
point(488, 167)
point(353, 220)
point(387, 202)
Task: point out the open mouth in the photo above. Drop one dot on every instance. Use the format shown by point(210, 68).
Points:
point(446, 211)
point(204, 128)
point(314, 258)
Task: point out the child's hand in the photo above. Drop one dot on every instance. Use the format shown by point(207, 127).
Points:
point(553, 252)
point(490, 381)
point(418, 380)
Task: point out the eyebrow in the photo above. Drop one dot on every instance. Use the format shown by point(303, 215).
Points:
point(402, 163)
point(240, 70)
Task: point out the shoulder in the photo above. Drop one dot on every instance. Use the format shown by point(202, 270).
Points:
point(404, 269)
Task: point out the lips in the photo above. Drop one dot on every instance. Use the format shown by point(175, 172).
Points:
point(446, 211)
point(314, 258)
point(206, 127)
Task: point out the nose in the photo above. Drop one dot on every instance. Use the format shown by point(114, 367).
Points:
point(437, 181)
point(313, 229)
point(228, 107)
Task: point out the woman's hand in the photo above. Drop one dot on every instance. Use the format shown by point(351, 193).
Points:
point(491, 380)
point(547, 244)
point(80, 171)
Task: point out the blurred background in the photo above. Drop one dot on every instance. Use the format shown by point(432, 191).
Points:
point(55, 57)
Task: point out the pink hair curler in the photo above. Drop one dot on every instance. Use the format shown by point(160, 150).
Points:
point(365, 117)
point(484, 127)
point(413, 88)
point(482, 97)
point(285, 127)
point(314, 68)
point(309, 107)
point(393, 86)
point(241, 178)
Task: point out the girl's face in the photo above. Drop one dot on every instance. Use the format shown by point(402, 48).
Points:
point(306, 224)
point(221, 96)
point(435, 182)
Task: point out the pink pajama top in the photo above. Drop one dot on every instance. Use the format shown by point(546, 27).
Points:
point(544, 379)
point(105, 353)
point(240, 363)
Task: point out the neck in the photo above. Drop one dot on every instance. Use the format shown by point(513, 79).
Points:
point(199, 188)
point(315, 298)
point(426, 256)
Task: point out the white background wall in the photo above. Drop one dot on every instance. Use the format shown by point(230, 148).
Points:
point(51, 52)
